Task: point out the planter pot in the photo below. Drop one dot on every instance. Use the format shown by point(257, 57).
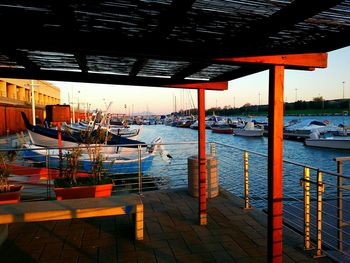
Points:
point(13, 196)
point(76, 192)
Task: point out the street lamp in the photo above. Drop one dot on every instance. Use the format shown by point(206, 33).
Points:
point(343, 89)
point(32, 85)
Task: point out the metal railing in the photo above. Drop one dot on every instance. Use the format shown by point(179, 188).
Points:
point(316, 203)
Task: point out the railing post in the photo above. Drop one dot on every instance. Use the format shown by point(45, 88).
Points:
point(48, 180)
point(212, 149)
point(320, 190)
point(340, 204)
point(246, 181)
point(139, 170)
point(307, 232)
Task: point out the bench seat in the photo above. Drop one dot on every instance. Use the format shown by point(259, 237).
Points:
point(73, 208)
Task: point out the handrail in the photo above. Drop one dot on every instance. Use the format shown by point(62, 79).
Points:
point(292, 162)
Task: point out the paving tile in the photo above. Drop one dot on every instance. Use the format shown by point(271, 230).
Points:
point(221, 256)
point(172, 234)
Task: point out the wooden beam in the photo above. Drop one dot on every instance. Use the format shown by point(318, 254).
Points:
point(238, 73)
point(311, 60)
point(81, 60)
point(203, 85)
point(275, 165)
point(21, 58)
point(202, 159)
point(172, 17)
point(137, 67)
point(190, 70)
point(286, 18)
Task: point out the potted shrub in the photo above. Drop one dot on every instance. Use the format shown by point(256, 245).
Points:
point(9, 193)
point(96, 184)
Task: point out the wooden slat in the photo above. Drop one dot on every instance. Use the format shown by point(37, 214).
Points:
point(68, 209)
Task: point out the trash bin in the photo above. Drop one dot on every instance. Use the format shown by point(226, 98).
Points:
point(212, 176)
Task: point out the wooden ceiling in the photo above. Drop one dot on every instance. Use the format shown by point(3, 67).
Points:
point(161, 42)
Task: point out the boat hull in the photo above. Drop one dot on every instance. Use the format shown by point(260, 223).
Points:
point(248, 133)
point(220, 130)
point(120, 164)
point(329, 143)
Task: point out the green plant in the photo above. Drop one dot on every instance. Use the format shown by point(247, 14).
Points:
point(92, 138)
point(5, 186)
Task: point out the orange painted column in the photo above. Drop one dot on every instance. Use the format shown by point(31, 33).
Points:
point(202, 177)
point(275, 164)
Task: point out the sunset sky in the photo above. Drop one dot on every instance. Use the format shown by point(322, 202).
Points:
point(300, 85)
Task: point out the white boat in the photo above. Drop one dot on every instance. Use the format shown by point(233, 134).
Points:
point(249, 130)
point(306, 127)
point(331, 142)
point(210, 121)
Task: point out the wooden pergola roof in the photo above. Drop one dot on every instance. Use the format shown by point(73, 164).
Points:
point(161, 42)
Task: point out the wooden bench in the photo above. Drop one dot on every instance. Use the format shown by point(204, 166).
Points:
point(74, 208)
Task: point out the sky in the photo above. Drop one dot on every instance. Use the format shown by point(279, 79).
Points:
point(330, 83)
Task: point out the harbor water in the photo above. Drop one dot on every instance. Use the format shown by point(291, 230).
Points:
point(294, 151)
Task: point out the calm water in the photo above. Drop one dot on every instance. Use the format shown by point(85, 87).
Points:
point(293, 151)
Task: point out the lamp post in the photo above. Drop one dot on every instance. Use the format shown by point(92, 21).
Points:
point(32, 85)
point(343, 90)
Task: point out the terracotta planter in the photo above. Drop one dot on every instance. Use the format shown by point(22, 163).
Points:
point(103, 190)
point(13, 196)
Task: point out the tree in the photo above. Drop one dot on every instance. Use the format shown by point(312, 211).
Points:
point(318, 99)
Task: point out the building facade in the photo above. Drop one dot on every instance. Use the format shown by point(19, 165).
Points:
point(18, 92)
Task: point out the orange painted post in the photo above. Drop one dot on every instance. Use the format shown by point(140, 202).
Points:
point(59, 134)
point(275, 164)
point(202, 178)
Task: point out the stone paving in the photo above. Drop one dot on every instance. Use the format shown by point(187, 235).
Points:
point(171, 235)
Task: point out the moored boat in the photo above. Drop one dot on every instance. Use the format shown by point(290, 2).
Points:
point(47, 137)
point(331, 142)
point(249, 130)
point(226, 129)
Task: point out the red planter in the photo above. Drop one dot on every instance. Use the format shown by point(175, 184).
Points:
point(13, 196)
point(103, 190)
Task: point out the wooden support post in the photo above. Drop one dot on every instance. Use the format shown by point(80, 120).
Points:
point(275, 164)
point(202, 177)
point(59, 135)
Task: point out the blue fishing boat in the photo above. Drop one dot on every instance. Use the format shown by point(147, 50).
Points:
point(111, 164)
